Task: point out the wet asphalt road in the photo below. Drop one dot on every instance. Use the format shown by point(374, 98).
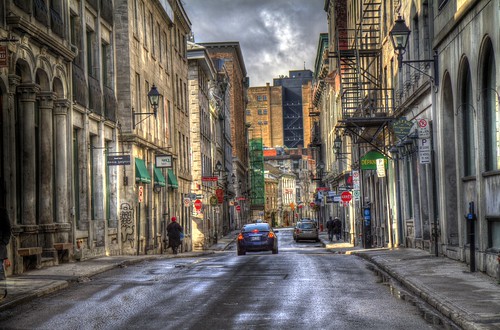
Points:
point(302, 287)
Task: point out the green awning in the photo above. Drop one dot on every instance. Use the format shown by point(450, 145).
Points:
point(172, 179)
point(141, 171)
point(159, 178)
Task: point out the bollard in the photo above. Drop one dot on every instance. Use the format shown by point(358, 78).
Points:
point(471, 217)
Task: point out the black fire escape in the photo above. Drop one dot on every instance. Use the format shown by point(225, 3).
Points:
point(366, 102)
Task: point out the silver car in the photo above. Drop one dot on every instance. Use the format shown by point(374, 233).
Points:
point(306, 230)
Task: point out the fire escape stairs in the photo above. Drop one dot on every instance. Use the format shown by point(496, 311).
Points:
point(366, 104)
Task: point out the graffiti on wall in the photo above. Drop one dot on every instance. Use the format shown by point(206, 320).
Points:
point(127, 220)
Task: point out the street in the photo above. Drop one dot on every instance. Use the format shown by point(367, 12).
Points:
point(304, 286)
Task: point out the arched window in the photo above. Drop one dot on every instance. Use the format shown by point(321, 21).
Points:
point(490, 105)
point(467, 107)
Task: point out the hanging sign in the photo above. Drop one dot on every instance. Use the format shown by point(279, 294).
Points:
point(197, 204)
point(163, 161)
point(402, 127)
point(220, 195)
point(369, 160)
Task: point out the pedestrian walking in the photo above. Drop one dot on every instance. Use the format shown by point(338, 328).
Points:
point(174, 233)
point(5, 232)
point(329, 227)
point(337, 228)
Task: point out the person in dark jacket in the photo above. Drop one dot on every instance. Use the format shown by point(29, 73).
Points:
point(337, 228)
point(174, 231)
point(329, 226)
point(5, 232)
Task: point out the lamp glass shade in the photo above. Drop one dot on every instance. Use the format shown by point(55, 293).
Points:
point(399, 34)
point(218, 166)
point(337, 144)
point(154, 97)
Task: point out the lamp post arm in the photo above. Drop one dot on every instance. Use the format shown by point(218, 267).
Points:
point(435, 75)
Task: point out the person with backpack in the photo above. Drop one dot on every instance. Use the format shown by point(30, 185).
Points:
point(174, 232)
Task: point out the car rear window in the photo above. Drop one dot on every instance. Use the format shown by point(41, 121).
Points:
point(258, 226)
point(307, 225)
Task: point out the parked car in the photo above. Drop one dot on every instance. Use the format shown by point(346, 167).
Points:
point(257, 237)
point(306, 230)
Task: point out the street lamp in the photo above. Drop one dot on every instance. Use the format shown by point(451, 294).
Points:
point(154, 100)
point(400, 33)
point(218, 168)
point(399, 36)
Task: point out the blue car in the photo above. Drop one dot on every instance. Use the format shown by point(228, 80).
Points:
point(257, 237)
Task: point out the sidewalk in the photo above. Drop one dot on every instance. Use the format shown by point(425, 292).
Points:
point(471, 300)
point(36, 283)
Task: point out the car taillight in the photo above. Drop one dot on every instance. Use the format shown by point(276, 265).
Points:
point(271, 235)
point(240, 237)
point(255, 231)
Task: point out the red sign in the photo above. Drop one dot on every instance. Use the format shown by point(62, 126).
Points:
point(346, 196)
point(238, 208)
point(197, 204)
point(241, 198)
point(322, 189)
point(312, 204)
point(220, 195)
point(209, 178)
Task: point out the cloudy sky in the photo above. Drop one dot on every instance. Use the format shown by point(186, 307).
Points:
point(275, 36)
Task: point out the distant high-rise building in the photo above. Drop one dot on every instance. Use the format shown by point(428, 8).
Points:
point(293, 112)
point(280, 113)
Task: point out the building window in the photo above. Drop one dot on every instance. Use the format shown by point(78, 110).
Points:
point(494, 233)
point(468, 121)
point(137, 92)
point(153, 35)
point(136, 18)
point(90, 53)
point(106, 64)
point(491, 112)
point(144, 25)
point(264, 111)
point(249, 113)
point(259, 111)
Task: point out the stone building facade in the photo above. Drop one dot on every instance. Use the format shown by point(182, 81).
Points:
point(204, 133)
point(446, 80)
point(228, 56)
point(153, 44)
point(58, 122)
point(79, 142)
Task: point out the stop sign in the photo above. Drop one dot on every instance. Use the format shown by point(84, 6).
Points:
point(197, 204)
point(346, 196)
point(238, 208)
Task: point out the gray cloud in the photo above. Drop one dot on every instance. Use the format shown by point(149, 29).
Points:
point(275, 36)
